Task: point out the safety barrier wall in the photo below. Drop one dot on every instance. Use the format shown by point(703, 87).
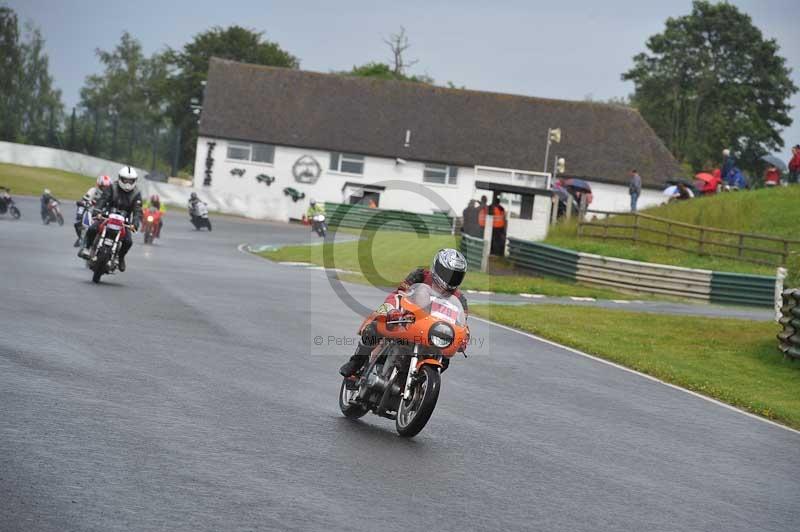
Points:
point(472, 248)
point(70, 161)
point(706, 285)
point(359, 217)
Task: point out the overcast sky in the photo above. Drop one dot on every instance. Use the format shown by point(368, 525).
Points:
point(568, 49)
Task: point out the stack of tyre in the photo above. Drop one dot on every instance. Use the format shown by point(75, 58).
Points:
point(789, 337)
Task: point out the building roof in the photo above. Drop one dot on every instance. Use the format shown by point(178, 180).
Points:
point(454, 126)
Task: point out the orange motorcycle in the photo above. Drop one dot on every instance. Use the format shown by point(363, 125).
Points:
point(403, 375)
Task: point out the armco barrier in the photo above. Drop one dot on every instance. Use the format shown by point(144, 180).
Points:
point(472, 248)
point(706, 285)
point(541, 258)
point(744, 289)
point(356, 216)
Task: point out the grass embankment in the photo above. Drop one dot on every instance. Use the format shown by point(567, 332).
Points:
point(31, 181)
point(384, 258)
point(735, 361)
point(766, 211)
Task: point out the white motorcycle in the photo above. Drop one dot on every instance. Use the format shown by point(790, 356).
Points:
point(319, 225)
point(199, 216)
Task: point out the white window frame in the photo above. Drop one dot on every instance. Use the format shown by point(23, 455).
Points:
point(249, 147)
point(350, 157)
point(450, 174)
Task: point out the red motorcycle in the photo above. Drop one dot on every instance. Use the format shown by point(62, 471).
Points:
point(104, 254)
point(151, 226)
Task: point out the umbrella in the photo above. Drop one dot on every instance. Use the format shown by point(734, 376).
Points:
point(671, 191)
point(578, 184)
point(561, 193)
point(677, 181)
point(771, 159)
point(706, 182)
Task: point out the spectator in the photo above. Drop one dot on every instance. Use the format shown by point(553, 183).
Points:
point(728, 164)
point(772, 176)
point(498, 227)
point(482, 210)
point(470, 219)
point(794, 165)
point(635, 188)
point(735, 180)
point(684, 192)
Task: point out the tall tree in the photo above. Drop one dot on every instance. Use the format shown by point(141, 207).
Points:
point(131, 95)
point(191, 68)
point(10, 61)
point(711, 80)
point(36, 97)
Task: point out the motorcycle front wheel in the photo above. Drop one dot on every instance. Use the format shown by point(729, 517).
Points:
point(15, 213)
point(60, 219)
point(349, 409)
point(99, 267)
point(412, 415)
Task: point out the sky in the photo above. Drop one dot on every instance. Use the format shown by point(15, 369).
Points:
point(568, 49)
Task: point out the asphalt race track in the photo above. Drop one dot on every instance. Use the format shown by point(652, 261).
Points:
point(189, 393)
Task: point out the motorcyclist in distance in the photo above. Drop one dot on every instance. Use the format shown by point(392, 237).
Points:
point(446, 274)
point(88, 201)
point(125, 197)
point(45, 199)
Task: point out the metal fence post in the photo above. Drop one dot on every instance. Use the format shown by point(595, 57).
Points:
point(487, 243)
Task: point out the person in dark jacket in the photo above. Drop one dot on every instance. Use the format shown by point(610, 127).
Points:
point(794, 165)
point(728, 164)
point(125, 197)
point(45, 201)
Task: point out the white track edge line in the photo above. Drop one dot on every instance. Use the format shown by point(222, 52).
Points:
point(645, 375)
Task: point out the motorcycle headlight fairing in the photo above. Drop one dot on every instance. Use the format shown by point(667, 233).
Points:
point(441, 335)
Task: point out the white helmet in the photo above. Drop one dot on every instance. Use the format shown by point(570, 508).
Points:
point(726, 152)
point(127, 178)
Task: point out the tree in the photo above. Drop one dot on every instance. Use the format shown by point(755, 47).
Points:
point(10, 61)
point(710, 81)
point(190, 66)
point(37, 100)
point(397, 70)
point(131, 96)
point(384, 71)
point(30, 107)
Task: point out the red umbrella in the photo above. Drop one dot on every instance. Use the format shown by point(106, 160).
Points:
point(709, 181)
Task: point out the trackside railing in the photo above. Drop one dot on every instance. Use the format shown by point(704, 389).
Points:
point(646, 229)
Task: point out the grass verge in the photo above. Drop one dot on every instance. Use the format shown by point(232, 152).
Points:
point(31, 181)
point(761, 211)
point(734, 361)
point(384, 258)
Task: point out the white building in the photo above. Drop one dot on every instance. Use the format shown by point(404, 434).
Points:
point(269, 135)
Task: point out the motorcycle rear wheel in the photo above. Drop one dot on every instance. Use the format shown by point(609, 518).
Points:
point(351, 410)
point(412, 415)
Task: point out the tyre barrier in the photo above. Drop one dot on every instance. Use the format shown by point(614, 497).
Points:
point(636, 276)
point(789, 337)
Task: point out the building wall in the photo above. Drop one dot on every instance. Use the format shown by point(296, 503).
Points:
point(615, 198)
point(259, 200)
point(328, 187)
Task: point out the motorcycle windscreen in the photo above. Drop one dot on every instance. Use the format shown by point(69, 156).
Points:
point(446, 307)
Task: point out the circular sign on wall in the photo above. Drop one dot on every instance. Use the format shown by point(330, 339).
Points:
point(306, 169)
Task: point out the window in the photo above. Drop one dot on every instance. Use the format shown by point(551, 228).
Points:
point(239, 151)
point(440, 173)
point(257, 153)
point(263, 153)
point(347, 163)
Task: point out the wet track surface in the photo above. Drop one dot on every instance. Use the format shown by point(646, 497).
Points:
point(189, 393)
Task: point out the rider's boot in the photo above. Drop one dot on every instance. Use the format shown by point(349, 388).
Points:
point(357, 361)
